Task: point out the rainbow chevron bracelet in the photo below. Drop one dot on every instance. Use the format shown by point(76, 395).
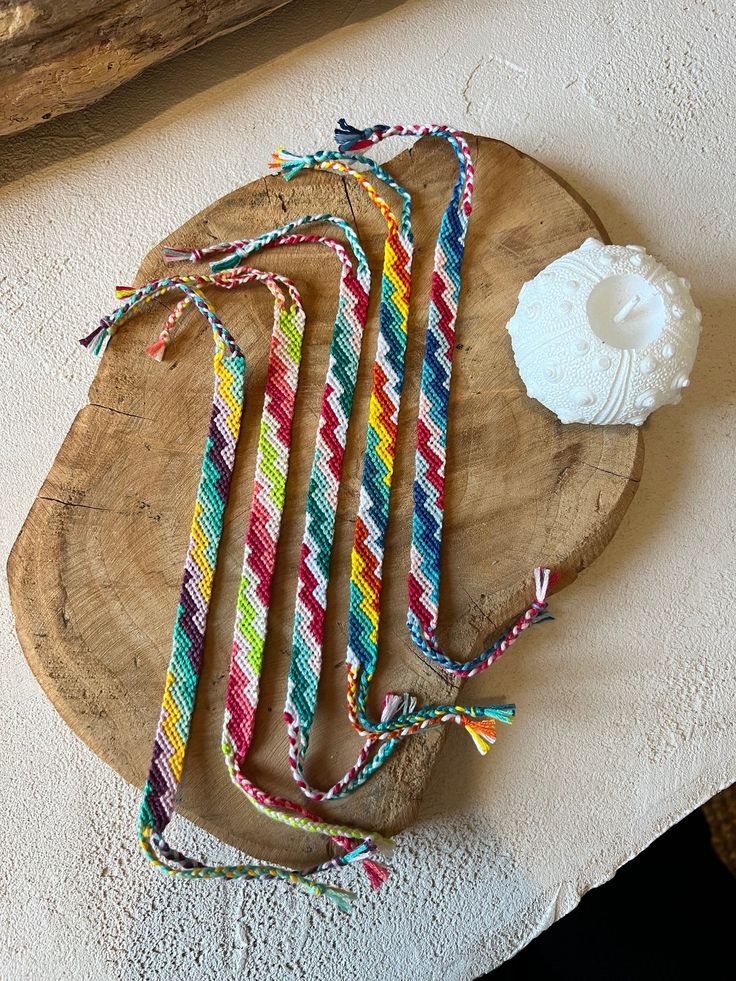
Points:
point(182, 675)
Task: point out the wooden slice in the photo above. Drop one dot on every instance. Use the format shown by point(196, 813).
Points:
point(95, 572)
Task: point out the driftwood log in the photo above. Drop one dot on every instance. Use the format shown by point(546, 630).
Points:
point(95, 572)
point(59, 57)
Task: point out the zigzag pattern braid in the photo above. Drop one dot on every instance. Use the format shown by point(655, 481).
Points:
point(269, 488)
point(305, 665)
point(373, 509)
point(183, 673)
point(313, 578)
point(431, 451)
point(381, 440)
point(242, 698)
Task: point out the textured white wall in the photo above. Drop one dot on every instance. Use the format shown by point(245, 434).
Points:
point(626, 701)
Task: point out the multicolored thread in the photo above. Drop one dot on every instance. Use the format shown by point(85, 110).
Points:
point(182, 676)
point(400, 716)
point(321, 506)
point(434, 395)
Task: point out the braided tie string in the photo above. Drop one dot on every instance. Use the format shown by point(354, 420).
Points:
point(373, 509)
point(184, 667)
point(237, 250)
point(431, 448)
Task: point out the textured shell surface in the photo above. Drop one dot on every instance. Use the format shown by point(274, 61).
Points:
point(605, 335)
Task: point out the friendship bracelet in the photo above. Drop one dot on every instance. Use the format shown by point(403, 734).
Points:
point(399, 717)
point(431, 450)
point(321, 505)
point(371, 523)
point(183, 673)
point(243, 681)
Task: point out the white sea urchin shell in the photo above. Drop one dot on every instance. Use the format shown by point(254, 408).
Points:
point(605, 335)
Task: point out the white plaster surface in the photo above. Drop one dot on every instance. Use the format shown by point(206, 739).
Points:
point(626, 717)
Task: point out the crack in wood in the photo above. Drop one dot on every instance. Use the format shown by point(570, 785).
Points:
point(119, 412)
point(78, 504)
point(630, 478)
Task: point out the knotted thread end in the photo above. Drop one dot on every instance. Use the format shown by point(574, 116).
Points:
point(339, 897)
point(229, 262)
point(482, 732)
point(350, 139)
point(178, 255)
point(97, 338)
point(377, 873)
point(289, 164)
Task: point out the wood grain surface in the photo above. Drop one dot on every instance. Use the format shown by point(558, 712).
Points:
point(95, 572)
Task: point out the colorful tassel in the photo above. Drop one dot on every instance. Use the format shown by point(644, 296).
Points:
point(95, 338)
point(289, 164)
point(338, 897)
point(157, 349)
point(350, 139)
point(229, 262)
point(178, 255)
point(377, 873)
point(483, 734)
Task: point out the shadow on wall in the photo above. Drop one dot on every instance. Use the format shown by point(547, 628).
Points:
point(160, 88)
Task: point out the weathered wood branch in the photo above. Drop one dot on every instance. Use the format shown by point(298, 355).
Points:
point(59, 57)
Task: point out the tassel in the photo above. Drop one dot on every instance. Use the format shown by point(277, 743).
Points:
point(543, 579)
point(391, 705)
point(99, 332)
point(288, 163)
point(349, 138)
point(158, 348)
point(98, 348)
point(339, 897)
point(483, 734)
point(410, 703)
point(177, 255)
point(123, 292)
point(377, 873)
point(394, 705)
point(501, 713)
